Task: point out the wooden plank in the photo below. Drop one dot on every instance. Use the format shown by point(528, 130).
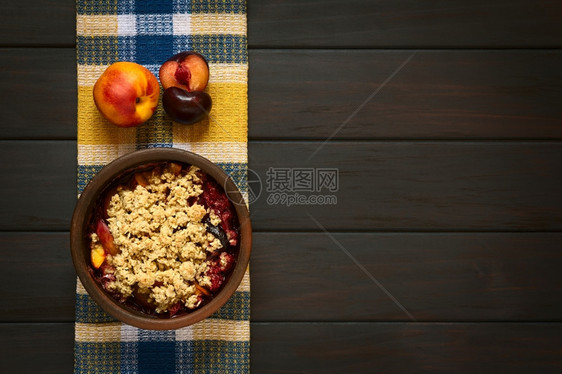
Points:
point(354, 23)
point(434, 277)
point(38, 23)
point(41, 103)
point(437, 94)
point(406, 348)
point(404, 186)
point(37, 347)
point(39, 185)
point(337, 347)
point(309, 277)
point(404, 23)
point(46, 281)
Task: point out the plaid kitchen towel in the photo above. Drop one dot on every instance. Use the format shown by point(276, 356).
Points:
point(149, 32)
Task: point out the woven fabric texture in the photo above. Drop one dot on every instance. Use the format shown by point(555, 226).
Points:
point(149, 32)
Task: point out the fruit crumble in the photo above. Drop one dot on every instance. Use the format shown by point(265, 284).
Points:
point(163, 239)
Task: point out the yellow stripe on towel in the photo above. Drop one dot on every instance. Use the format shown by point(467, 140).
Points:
point(96, 25)
point(106, 332)
point(212, 24)
point(93, 128)
point(222, 125)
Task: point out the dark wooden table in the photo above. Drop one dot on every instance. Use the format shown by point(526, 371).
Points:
point(443, 252)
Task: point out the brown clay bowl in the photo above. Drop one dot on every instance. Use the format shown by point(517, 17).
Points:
point(80, 250)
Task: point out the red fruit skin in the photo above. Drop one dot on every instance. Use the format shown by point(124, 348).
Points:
point(106, 238)
point(126, 94)
point(186, 107)
point(174, 309)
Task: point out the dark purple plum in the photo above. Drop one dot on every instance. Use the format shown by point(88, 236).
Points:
point(186, 107)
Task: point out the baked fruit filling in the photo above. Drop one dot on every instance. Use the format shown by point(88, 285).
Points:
point(163, 239)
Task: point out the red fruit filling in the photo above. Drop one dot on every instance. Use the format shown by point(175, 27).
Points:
point(218, 268)
point(214, 197)
point(218, 263)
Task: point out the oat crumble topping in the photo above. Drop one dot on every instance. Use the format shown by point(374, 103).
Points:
point(163, 240)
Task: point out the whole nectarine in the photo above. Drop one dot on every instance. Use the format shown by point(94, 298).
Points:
point(127, 94)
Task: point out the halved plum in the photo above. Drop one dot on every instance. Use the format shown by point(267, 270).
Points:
point(188, 70)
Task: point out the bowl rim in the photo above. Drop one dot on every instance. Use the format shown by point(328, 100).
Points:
point(86, 203)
